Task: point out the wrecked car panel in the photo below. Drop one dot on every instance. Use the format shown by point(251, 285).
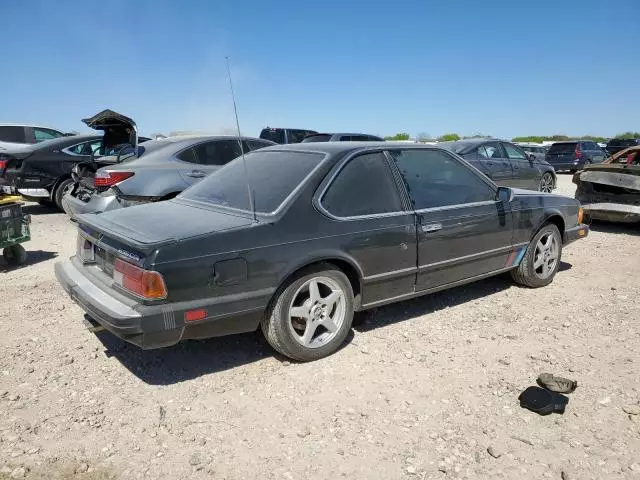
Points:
point(611, 191)
point(118, 129)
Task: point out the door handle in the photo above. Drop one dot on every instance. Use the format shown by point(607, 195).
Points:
point(196, 174)
point(431, 227)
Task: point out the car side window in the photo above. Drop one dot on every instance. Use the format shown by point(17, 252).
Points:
point(490, 150)
point(436, 179)
point(219, 152)
point(42, 134)
point(250, 145)
point(188, 155)
point(296, 136)
point(87, 148)
point(364, 186)
point(513, 152)
point(10, 133)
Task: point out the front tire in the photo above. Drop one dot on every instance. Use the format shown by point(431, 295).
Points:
point(312, 314)
point(542, 259)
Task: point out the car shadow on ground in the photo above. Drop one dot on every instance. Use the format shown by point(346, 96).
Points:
point(37, 209)
point(190, 359)
point(617, 228)
point(33, 257)
point(194, 358)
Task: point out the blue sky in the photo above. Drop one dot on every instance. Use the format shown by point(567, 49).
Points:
point(503, 68)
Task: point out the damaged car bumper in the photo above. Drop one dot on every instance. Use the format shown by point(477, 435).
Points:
point(610, 193)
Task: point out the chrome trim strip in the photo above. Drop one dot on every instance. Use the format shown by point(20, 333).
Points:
point(460, 205)
point(446, 286)
point(472, 256)
point(392, 274)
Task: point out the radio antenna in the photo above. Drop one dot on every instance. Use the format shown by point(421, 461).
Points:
point(244, 162)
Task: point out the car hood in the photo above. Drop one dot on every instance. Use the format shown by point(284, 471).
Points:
point(155, 224)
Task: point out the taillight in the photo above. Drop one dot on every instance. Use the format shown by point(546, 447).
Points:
point(3, 165)
point(578, 152)
point(109, 179)
point(143, 283)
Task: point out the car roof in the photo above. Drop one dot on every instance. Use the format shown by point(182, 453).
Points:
point(200, 137)
point(334, 148)
point(342, 133)
point(30, 126)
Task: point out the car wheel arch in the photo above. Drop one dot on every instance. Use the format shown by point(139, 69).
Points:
point(556, 219)
point(57, 183)
point(345, 265)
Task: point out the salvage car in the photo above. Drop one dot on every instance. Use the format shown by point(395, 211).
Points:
point(14, 136)
point(42, 172)
point(309, 245)
point(160, 171)
point(611, 190)
point(505, 163)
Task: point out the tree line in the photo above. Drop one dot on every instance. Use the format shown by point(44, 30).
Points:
point(452, 137)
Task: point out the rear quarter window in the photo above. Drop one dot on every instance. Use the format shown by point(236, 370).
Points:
point(13, 134)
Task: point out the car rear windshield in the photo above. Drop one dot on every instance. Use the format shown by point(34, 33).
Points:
point(317, 138)
point(569, 147)
point(457, 147)
point(273, 134)
point(273, 175)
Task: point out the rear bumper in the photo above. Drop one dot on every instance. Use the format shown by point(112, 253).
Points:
point(156, 326)
point(97, 204)
point(612, 212)
point(567, 166)
point(576, 233)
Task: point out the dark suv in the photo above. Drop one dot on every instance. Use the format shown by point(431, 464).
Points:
point(616, 145)
point(285, 135)
point(341, 137)
point(574, 155)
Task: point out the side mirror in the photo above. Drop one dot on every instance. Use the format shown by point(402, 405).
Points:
point(505, 194)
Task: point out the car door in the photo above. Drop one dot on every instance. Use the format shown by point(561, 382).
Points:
point(372, 224)
point(525, 173)
point(463, 231)
point(206, 157)
point(493, 163)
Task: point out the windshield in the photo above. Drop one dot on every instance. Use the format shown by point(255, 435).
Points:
point(273, 175)
point(273, 134)
point(569, 147)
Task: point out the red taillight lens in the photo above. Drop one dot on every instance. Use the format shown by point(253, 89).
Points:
point(3, 164)
point(142, 283)
point(578, 152)
point(109, 179)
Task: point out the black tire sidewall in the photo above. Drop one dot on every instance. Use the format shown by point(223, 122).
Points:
point(14, 255)
point(57, 197)
point(280, 316)
point(531, 251)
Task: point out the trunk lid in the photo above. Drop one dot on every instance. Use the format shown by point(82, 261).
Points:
point(118, 129)
point(145, 227)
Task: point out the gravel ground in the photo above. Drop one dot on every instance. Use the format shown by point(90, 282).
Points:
point(425, 389)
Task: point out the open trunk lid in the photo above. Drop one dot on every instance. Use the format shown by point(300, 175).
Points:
point(118, 129)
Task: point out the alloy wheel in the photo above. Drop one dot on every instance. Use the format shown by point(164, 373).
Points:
point(317, 312)
point(546, 255)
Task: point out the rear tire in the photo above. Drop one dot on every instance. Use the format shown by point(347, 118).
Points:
point(311, 315)
point(542, 259)
point(63, 188)
point(14, 255)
